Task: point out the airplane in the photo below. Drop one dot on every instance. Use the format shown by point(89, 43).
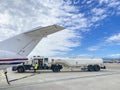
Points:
point(15, 50)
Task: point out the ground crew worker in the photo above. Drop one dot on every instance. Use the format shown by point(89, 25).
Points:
point(35, 67)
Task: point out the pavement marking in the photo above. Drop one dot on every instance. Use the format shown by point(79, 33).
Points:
point(52, 81)
point(24, 77)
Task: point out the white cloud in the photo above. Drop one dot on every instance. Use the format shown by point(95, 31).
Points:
point(4, 18)
point(85, 55)
point(42, 12)
point(110, 5)
point(57, 44)
point(98, 11)
point(114, 55)
point(114, 3)
point(88, 2)
point(118, 13)
point(114, 38)
point(103, 1)
point(93, 48)
point(98, 18)
point(22, 15)
point(98, 14)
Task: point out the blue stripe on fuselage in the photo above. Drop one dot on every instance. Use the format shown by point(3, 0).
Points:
point(13, 63)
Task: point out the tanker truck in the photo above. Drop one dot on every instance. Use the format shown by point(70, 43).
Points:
point(86, 64)
point(56, 64)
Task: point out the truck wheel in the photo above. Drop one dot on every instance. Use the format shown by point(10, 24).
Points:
point(20, 70)
point(90, 68)
point(56, 69)
point(96, 67)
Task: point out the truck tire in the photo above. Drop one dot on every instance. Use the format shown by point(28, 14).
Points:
point(96, 68)
point(20, 70)
point(56, 69)
point(90, 68)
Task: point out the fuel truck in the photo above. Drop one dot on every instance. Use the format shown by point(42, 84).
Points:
point(56, 64)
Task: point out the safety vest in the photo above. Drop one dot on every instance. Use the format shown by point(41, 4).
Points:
point(36, 66)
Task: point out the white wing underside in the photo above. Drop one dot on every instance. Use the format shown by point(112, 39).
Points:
point(24, 43)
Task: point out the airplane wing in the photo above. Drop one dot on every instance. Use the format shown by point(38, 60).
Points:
point(44, 31)
point(24, 43)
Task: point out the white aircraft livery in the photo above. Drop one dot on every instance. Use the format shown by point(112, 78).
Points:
point(15, 49)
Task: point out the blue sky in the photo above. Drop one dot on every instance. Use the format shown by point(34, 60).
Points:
point(92, 26)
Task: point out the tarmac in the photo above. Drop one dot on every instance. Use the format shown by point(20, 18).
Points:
point(108, 79)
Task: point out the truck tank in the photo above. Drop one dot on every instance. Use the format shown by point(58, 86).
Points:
point(78, 61)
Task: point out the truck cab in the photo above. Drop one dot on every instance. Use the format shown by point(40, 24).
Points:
point(43, 64)
point(41, 61)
